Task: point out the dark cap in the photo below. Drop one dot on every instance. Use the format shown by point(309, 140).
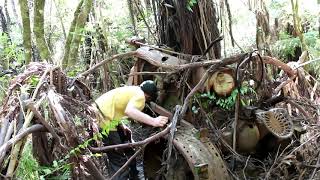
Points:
point(150, 88)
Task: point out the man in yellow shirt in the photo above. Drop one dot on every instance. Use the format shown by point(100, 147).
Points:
point(117, 104)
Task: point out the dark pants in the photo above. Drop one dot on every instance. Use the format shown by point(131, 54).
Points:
point(117, 158)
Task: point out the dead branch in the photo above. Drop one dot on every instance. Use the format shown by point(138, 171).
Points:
point(230, 22)
point(5, 147)
point(19, 146)
point(130, 145)
point(145, 22)
point(57, 110)
point(273, 61)
point(149, 73)
point(276, 91)
point(174, 121)
point(305, 113)
point(118, 56)
point(128, 162)
point(315, 169)
point(134, 42)
point(43, 121)
point(308, 62)
point(147, 55)
point(276, 160)
point(302, 144)
point(92, 169)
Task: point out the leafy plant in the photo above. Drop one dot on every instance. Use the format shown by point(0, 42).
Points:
point(29, 169)
point(287, 45)
point(28, 165)
point(190, 4)
point(105, 131)
point(9, 51)
point(226, 103)
point(62, 166)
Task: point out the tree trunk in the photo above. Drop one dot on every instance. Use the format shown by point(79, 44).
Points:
point(81, 21)
point(5, 31)
point(263, 27)
point(15, 14)
point(297, 23)
point(38, 29)
point(189, 31)
point(7, 14)
point(133, 21)
point(24, 9)
point(70, 35)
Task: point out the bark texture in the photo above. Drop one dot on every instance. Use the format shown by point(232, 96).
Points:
point(26, 30)
point(189, 31)
point(81, 21)
point(38, 29)
point(70, 35)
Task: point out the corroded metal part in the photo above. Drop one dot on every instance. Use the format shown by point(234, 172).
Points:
point(160, 57)
point(277, 121)
point(202, 156)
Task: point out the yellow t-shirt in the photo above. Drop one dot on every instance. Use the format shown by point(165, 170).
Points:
point(113, 103)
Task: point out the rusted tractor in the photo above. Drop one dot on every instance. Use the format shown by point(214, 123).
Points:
point(196, 157)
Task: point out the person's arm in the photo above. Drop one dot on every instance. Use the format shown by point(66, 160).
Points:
point(134, 113)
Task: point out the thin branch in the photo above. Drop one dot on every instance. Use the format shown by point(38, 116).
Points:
point(149, 73)
point(175, 119)
point(308, 62)
point(118, 56)
point(305, 113)
point(5, 147)
point(302, 145)
point(316, 168)
point(128, 162)
point(145, 22)
point(135, 42)
point(273, 61)
point(197, 87)
point(284, 83)
point(130, 145)
point(245, 166)
point(43, 121)
point(230, 22)
point(274, 163)
point(93, 169)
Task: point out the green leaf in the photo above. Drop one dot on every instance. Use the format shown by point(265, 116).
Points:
point(55, 163)
point(47, 171)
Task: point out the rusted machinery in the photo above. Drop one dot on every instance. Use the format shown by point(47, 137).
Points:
point(197, 157)
point(196, 154)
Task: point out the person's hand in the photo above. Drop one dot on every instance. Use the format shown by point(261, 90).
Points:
point(160, 121)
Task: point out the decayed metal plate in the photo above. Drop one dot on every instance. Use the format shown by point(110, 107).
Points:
point(277, 121)
point(202, 156)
